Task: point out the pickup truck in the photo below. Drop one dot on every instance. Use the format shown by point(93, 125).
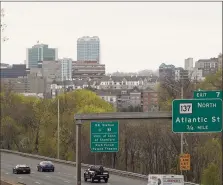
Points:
point(96, 173)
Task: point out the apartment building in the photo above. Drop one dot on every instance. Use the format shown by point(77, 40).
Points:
point(182, 74)
point(208, 66)
point(149, 100)
point(122, 99)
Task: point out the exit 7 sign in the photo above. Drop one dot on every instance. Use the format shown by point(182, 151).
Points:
point(208, 94)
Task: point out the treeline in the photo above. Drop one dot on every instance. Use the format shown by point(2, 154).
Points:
point(205, 149)
point(29, 125)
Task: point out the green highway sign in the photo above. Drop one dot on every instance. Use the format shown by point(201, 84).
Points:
point(207, 94)
point(197, 115)
point(104, 136)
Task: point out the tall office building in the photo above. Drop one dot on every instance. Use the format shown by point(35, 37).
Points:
point(88, 49)
point(40, 52)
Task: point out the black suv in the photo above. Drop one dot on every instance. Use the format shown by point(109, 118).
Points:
point(96, 173)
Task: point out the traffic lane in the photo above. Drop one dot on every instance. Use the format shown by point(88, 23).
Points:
point(27, 179)
point(62, 172)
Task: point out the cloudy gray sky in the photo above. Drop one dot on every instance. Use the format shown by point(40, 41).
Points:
point(133, 36)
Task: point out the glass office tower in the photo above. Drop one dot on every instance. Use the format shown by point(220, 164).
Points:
point(40, 52)
point(88, 49)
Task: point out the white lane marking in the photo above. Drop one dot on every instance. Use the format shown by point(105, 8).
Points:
point(20, 177)
point(6, 173)
point(32, 172)
point(37, 182)
point(68, 174)
point(67, 181)
point(47, 176)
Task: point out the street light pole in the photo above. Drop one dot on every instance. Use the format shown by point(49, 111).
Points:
point(58, 129)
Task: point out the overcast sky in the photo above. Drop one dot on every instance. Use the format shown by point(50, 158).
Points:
point(133, 36)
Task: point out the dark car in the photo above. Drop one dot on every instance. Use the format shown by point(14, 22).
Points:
point(45, 166)
point(96, 173)
point(21, 168)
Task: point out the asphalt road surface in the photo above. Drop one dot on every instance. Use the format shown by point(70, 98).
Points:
point(63, 175)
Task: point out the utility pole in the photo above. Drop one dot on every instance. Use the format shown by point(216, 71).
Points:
point(58, 129)
point(182, 134)
point(95, 158)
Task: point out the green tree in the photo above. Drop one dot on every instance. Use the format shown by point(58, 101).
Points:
point(212, 153)
point(211, 175)
point(212, 81)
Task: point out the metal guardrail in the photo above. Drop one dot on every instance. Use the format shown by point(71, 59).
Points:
point(112, 171)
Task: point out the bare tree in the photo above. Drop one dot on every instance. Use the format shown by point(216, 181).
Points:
point(3, 25)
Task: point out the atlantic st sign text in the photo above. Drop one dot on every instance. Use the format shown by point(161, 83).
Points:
point(104, 136)
point(197, 115)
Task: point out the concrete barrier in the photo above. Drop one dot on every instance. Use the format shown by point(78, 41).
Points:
point(6, 182)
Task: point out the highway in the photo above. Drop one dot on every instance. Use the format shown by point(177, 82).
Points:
point(63, 175)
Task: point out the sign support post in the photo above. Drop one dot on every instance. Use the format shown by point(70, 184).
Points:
point(78, 151)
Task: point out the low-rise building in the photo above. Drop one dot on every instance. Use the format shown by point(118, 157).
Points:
point(109, 96)
point(122, 99)
point(14, 71)
point(87, 69)
point(19, 85)
point(181, 74)
point(26, 84)
point(196, 75)
point(4, 65)
point(135, 97)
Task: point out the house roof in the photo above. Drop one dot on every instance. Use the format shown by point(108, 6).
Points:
point(129, 78)
point(80, 82)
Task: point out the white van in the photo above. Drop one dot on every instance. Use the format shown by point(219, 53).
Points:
point(158, 179)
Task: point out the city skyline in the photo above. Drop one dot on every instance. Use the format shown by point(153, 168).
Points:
point(129, 41)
